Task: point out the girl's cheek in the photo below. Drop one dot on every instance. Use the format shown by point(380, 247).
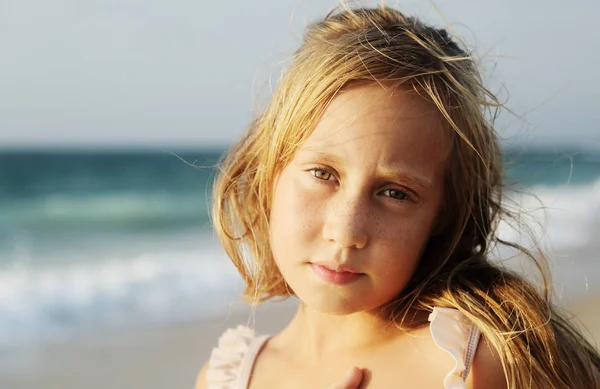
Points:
point(309, 203)
point(309, 188)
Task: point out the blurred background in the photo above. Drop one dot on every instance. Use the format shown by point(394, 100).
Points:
point(114, 113)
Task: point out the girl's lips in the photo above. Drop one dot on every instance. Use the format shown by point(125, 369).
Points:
point(334, 277)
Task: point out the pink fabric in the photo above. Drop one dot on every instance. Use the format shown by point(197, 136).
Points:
point(454, 333)
point(231, 362)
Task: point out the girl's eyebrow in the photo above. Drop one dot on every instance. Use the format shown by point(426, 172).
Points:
point(390, 172)
point(408, 176)
point(325, 157)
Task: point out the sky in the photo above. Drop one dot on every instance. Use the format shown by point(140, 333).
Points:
point(131, 73)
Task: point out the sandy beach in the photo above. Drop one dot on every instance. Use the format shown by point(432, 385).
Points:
point(162, 357)
point(586, 314)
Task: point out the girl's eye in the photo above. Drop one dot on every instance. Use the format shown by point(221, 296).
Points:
point(396, 194)
point(321, 174)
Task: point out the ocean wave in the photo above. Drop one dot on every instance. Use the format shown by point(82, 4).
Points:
point(44, 303)
point(560, 217)
point(104, 211)
point(183, 274)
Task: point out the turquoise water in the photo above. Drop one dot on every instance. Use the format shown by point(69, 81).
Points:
point(110, 238)
point(552, 167)
point(81, 192)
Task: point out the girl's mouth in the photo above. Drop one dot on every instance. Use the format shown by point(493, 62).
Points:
point(338, 275)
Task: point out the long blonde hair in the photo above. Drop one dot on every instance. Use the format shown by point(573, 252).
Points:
point(538, 348)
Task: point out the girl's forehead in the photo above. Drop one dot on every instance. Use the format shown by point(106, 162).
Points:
point(371, 112)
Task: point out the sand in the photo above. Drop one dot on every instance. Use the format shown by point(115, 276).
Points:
point(169, 356)
point(586, 315)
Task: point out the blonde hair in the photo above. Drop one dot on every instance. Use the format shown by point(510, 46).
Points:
point(538, 348)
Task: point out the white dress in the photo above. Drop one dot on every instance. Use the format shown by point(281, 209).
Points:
point(231, 362)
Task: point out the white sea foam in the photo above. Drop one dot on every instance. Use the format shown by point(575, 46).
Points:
point(45, 303)
point(184, 276)
point(561, 217)
point(565, 222)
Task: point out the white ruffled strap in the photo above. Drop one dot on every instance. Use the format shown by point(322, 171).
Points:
point(226, 359)
point(454, 333)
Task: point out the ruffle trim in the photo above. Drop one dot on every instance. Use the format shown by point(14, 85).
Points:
point(454, 333)
point(450, 330)
point(226, 359)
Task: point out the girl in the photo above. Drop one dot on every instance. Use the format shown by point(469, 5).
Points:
point(371, 190)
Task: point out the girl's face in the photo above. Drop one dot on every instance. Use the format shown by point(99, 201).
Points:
point(356, 206)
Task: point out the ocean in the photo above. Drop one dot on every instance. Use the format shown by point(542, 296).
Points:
point(97, 240)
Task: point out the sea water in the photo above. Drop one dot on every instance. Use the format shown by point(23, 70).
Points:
point(112, 239)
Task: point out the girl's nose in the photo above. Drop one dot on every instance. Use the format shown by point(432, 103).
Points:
point(346, 223)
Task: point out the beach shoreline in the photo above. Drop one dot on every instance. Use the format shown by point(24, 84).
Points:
point(164, 356)
point(171, 355)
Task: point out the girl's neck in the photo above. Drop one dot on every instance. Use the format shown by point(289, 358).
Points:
point(320, 336)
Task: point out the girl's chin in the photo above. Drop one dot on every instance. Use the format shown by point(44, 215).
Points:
point(332, 305)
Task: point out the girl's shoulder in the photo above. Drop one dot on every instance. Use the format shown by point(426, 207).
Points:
point(454, 333)
point(231, 361)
